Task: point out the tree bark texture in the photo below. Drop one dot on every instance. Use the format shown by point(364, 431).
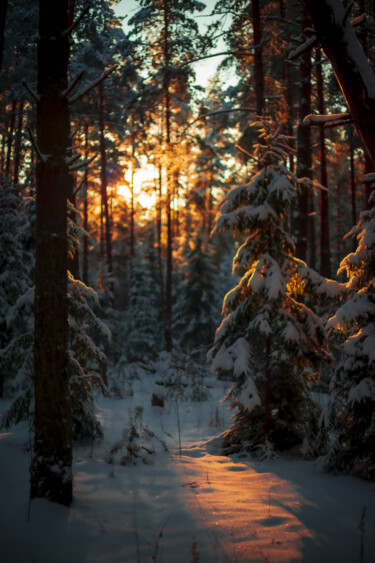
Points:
point(350, 65)
point(51, 465)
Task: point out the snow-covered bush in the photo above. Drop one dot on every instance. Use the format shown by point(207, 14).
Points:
point(350, 414)
point(270, 340)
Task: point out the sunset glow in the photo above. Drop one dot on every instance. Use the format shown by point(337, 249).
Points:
point(144, 185)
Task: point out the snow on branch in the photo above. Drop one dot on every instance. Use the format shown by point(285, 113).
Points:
point(216, 112)
point(77, 22)
point(73, 84)
point(311, 41)
point(42, 157)
point(92, 84)
point(332, 120)
point(82, 164)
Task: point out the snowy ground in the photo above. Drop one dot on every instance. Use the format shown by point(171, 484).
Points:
point(182, 505)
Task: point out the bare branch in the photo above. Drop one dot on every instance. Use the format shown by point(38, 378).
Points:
point(218, 112)
point(42, 157)
point(77, 22)
point(70, 159)
point(73, 84)
point(79, 187)
point(243, 150)
point(305, 46)
point(32, 92)
point(82, 164)
point(332, 120)
point(92, 84)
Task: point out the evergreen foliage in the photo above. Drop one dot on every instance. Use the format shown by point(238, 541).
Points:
point(349, 417)
point(270, 338)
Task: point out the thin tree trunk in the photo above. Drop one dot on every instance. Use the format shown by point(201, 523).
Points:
point(3, 15)
point(18, 144)
point(352, 179)
point(258, 57)
point(304, 162)
point(167, 107)
point(12, 123)
point(325, 251)
point(85, 264)
point(104, 195)
point(51, 466)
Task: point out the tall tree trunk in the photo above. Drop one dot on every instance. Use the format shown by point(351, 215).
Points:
point(325, 250)
point(350, 65)
point(51, 466)
point(85, 264)
point(18, 144)
point(167, 107)
point(352, 180)
point(258, 56)
point(3, 15)
point(104, 194)
point(12, 123)
point(304, 162)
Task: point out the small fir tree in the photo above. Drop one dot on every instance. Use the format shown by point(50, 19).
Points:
point(196, 301)
point(270, 339)
point(349, 416)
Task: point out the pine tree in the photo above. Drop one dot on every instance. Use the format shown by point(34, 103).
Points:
point(349, 416)
point(270, 338)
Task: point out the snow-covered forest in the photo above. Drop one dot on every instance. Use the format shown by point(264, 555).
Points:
point(187, 282)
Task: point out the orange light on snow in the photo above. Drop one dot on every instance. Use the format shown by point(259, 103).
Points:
point(253, 516)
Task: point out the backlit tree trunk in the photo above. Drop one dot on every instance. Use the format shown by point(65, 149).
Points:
point(304, 161)
point(51, 466)
point(104, 194)
point(325, 251)
point(258, 56)
point(350, 65)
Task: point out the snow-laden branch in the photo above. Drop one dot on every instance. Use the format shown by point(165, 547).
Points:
point(92, 84)
point(331, 120)
point(42, 157)
point(82, 164)
point(77, 22)
point(73, 84)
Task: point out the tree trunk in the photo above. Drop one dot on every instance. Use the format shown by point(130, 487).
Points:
point(350, 65)
point(258, 57)
point(3, 15)
point(18, 144)
point(304, 162)
point(12, 123)
point(85, 264)
point(104, 195)
point(325, 251)
point(167, 107)
point(51, 466)
point(352, 181)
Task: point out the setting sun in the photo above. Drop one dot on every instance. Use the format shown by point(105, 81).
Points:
point(143, 180)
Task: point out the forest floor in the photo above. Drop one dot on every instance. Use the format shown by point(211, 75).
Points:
point(154, 489)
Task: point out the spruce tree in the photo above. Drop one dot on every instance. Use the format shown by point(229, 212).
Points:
point(270, 338)
point(349, 416)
